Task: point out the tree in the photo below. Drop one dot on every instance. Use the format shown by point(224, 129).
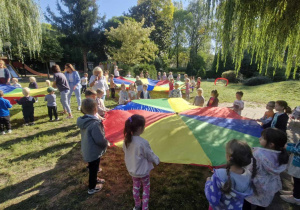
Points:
point(20, 25)
point(134, 43)
point(264, 28)
point(78, 23)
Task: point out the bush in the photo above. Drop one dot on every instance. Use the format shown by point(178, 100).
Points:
point(126, 68)
point(259, 80)
point(231, 76)
point(145, 67)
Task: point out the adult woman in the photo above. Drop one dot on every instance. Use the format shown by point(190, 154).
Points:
point(60, 81)
point(4, 73)
point(73, 79)
point(97, 80)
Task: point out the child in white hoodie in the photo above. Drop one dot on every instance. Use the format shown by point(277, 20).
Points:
point(139, 159)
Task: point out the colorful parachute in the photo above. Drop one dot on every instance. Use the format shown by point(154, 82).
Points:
point(11, 93)
point(181, 133)
point(153, 85)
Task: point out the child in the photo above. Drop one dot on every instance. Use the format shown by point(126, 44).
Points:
point(139, 85)
point(145, 94)
point(170, 76)
point(281, 118)
point(15, 83)
point(33, 85)
point(296, 113)
point(293, 170)
point(90, 93)
point(93, 142)
point(51, 103)
point(193, 83)
point(271, 160)
point(199, 99)
point(198, 82)
point(112, 86)
point(268, 116)
point(132, 92)
point(227, 188)
point(142, 74)
point(238, 104)
point(213, 101)
point(178, 78)
point(171, 86)
point(164, 77)
point(187, 89)
point(139, 159)
point(100, 103)
point(129, 75)
point(123, 95)
point(147, 76)
point(4, 114)
point(48, 83)
point(84, 82)
point(27, 104)
point(176, 93)
point(159, 76)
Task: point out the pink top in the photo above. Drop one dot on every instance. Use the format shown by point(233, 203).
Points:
point(171, 86)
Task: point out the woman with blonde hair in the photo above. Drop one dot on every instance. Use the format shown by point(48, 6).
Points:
point(73, 79)
point(4, 73)
point(97, 80)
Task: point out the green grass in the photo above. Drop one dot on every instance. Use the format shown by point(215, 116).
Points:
point(42, 168)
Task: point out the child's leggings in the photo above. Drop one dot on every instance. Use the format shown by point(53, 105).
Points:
point(146, 191)
point(296, 193)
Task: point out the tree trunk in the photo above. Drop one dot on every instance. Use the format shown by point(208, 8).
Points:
point(47, 70)
point(84, 52)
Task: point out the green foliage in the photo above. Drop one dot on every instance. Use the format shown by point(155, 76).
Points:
point(196, 67)
point(20, 25)
point(230, 75)
point(137, 69)
point(266, 28)
point(259, 80)
point(135, 45)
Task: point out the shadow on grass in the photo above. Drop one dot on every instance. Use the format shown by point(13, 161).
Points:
point(51, 132)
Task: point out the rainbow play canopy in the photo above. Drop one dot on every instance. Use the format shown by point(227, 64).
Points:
point(181, 133)
point(11, 93)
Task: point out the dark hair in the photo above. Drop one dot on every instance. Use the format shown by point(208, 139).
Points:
point(99, 91)
point(90, 92)
point(240, 154)
point(284, 104)
point(88, 106)
point(215, 92)
point(70, 66)
point(240, 93)
point(132, 124)
point(55, 69)
point(272, 103)
point(279, 139)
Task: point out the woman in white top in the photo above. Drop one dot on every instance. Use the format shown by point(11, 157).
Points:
point(97, 80)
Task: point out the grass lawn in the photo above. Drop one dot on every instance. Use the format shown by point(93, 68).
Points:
point(42, 168)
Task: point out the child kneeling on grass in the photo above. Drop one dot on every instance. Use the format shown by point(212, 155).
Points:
point(27, 104)
point(93, 142)
point(4, 114)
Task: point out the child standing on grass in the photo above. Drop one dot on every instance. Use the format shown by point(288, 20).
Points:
point(139, 85)
point(178, 78)
point(145, 94)
point(100, 103)
point(164, 77)
point(193, 83)
point(84, 82)
point(199, 99)
point(51, 103)
point(27, 104)
point(132, 92)
point(33, 85)
point(198, 82)
point(238, 104)
point(93, 142)
point(159, 76)
point(213, 101)
point(123, 95)
point(281, 118)
point(271, 160)
point(4, 114)
point(171, 86)
point(187, 88)
point(268, 116)
point(176, 93)
point(227, 188)
point(293, 170)
point(112, 86)
point(15, 83)
point(139, 159)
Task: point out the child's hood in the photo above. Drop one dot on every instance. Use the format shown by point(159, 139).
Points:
point(85, 121)
point(268, 159)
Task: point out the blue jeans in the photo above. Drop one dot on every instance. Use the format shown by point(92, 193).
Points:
point(64, 100)
point(77, 94)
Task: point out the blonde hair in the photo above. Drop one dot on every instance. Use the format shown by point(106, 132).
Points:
point(14, 80)
point(26, 91)
point(32, 79)
point(132, 85)
point(2, 61)
point(48, 83)
point(99, 70)
point(200, 89)
point(137, 77)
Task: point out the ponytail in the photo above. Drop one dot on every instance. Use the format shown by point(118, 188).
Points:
point(215, 92)
point(127, 133)
point(227, 186)
point(288, 110)
point(132, 124)
point(254, 172)
point(284, 104)
point(283, 157)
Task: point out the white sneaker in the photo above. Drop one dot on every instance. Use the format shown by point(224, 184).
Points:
point(290, 199)
point(2, 132)
point(79, 108)
point(96, 189)
point(9, 131)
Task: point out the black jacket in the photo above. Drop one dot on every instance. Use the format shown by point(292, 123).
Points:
point(281, 123)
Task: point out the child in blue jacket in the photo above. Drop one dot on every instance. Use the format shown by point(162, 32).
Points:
point(4, 114)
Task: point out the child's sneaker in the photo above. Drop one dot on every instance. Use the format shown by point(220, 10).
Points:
point(2, 132)
point(290, 199)
point(57, 119)
point(79, 108)
point(50, 120)
point(26, 124)
point(96, 189)
point(9, 131)
point(32, 123)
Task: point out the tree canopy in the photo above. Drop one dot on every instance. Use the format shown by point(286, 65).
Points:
point(270, 30)
point(20, 25)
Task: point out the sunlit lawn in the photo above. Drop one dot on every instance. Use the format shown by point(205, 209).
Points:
point(41, 166)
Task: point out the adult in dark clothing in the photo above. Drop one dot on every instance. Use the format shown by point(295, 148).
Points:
point(4, 73)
